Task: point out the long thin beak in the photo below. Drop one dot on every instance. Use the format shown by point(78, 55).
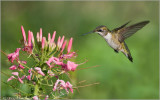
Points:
point(87, 33)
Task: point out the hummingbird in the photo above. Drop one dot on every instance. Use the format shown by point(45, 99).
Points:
point(116, 37)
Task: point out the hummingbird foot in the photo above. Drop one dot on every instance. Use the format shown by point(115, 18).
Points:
point(116, 50)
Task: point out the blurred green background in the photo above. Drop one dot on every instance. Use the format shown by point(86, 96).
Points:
point(118, 77)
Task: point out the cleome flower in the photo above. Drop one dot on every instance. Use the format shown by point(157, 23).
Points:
point(50, 60)
point(18, 78)
point(64, 85)
point(14, 55)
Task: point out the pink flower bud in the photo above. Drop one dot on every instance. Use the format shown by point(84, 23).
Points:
point(13, 67)
point(12, 77)
point(43, 42)
point(23, 33)
point(23, 77)
point(39, 71)
point(50, 73)
point(29, 38)
point(63, 46)
point(20, 66)
point(15, 73)
point(58, 41)
point(40, 37)
point(49, 37)
point(53, 37)
point(35, 98)
point(20, 80)
point(70, 45)
point(32, 37)
point(24, 62)
point(29, 77)
point(61, 42)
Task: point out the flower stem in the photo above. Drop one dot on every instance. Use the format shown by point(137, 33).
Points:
point(36, 89)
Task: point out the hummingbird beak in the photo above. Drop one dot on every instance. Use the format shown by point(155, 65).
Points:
point(87, 33)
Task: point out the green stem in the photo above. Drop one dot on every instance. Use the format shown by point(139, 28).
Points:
point(34, 56)
point(36, 89)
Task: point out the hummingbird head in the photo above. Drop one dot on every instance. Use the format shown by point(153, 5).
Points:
point(101, 30)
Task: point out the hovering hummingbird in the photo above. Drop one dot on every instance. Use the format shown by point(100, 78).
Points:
point(116, 37)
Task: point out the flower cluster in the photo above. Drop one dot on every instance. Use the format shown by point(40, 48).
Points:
point(51, 62)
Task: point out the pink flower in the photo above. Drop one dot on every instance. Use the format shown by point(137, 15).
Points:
point(49, 37)
point(39, 71)
point(30, 74)
point(69, 55)
point(70, 45)
point(69, 85)
point(50, 73)
point(40, 35)
point(53, 37)
point(15, 73)
point(43, 42)
point(14, 55)
point(71, 66)
point(63, 85)
point(54, 60)
point(63, 46)
point(60, 42)
point(20, 80)
point(52, 44)
point(35, 98)
point(20, 66)
point(24, 35)
point(46, 97)
point(12, 77)
point(29, 38)
point(13, 67)
point(23, 77)
point(32, 37)
point(28, 46)
point(55, 85)
point(24, 62)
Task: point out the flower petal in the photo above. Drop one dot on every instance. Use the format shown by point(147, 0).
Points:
point(20, 66)
point(15, 73)
point(71, 66)
point(20, 80)
point(40, 35)
point(53, 37)
point(13, 67)
point(12, 77)
point(63, 46)
point(23, 33)
point(35, 98)
point(70, 45)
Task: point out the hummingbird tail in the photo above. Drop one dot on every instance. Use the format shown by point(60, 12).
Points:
point(126, 52)
point(130, 57)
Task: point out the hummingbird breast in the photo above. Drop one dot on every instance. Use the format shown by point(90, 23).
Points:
point(112, 40)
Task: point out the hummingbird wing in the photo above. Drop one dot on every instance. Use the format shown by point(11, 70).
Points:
point(116, 29)
point(130, 30)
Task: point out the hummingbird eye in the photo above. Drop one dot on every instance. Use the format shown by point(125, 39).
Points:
point(100, 30)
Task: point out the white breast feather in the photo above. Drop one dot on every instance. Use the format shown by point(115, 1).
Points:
point(109, 40)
